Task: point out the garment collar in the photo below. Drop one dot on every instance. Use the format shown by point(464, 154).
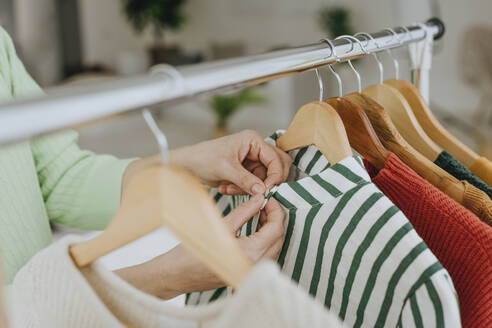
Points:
point(311, 172)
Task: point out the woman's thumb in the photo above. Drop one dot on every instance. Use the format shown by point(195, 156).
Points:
point(245, 211)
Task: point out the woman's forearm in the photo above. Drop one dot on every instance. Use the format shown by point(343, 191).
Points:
point(171, 274)
point(150, 278)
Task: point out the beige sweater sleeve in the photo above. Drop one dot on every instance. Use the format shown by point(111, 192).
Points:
point(51, 292)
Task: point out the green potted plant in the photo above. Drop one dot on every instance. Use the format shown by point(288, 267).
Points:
point(335, 21)
point(224, 106)
point(162, 15)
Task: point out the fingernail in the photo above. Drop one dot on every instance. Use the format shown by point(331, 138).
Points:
point(258, 189)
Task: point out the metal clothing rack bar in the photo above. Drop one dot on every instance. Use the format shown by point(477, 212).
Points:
point(73, 106)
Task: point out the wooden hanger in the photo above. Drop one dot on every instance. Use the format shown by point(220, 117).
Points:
point(397, 107)
point(431, 125)
point(318, 124)
point(360, 132)
point(394, 142)
point(403, 118)
point(361, 135)
point(428, 121)
point(170, 196)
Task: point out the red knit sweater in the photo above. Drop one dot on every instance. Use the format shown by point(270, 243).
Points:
point(457, 237)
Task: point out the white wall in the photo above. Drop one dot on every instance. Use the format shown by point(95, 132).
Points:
point(447, 88)
point(36, 33)
point(262, 24)
point(106, 33)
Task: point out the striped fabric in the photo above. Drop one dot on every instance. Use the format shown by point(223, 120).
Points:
point(352, 249)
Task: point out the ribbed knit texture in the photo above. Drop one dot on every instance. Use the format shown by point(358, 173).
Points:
point(482, 168)
point(447, 162)
point(48, 178)
point(51, 292)
point(461, 242)
point(477, 202)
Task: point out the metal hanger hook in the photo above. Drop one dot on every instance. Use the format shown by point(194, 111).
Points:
point(339, 80)
point(357, 75)
point(158, 134)
point(171, 72)
point(320, 83)
point(408, 33)
point(390, 54)
point(332, 70)
point(176, 77)
point(395, 35)
point(332, 48)
point(353, 39)
point(376, 57)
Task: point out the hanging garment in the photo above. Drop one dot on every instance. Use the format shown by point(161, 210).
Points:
point(482, 168)
point(478, 202)
point(50, 291)
point(461, 242)
point(47, 178)
point(351, 248)
point(447, 162)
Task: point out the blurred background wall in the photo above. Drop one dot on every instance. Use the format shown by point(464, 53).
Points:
point(58, 38)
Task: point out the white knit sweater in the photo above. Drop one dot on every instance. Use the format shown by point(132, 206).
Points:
point(50, 291)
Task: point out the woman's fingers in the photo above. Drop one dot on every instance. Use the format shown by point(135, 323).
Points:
point(241, 214)
point(274, 164)
point(231, 189)
point(242, 178)
point(273, 251)
point(252, 165)
point(272, 227)
point(286, 161)
point(259, 150)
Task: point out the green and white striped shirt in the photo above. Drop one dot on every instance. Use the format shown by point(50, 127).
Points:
point(352, 249)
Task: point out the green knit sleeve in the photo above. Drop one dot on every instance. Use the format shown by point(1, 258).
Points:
point(450, 164)
point(80, 189)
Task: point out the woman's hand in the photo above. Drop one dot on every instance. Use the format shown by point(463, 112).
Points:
point(179, 271)
point(242, 163)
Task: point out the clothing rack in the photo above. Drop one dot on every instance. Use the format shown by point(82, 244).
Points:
point(70, 107)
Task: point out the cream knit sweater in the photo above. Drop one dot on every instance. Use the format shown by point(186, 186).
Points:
point(51, 292)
